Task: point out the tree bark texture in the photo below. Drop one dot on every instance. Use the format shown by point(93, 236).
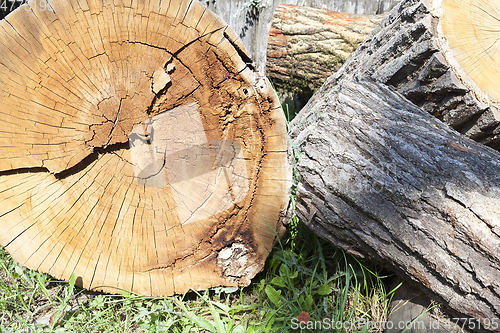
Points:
point(384, 180)
point(251, 20)
point(443, 56)
point(306, 45)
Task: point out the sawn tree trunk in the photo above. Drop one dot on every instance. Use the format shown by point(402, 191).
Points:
point(139, 149)
point(444, 56)
point(383, 179)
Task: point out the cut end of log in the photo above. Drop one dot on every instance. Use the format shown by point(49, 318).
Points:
point(161, 77)
point(472, 31)
point(140, 151)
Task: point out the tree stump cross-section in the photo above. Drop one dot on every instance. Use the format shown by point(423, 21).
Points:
point(139, 148)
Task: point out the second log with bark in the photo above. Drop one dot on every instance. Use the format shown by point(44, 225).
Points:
point(306, 45)
point(430, 53)
point(384, 179)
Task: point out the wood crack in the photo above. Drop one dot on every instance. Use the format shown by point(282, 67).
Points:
point(97, 73)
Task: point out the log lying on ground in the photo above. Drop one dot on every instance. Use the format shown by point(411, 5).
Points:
point(443, 55)
point(385, 180)
point(306, 45)
point(138, 150)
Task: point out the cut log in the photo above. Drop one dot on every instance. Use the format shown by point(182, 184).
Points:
point(443, 55)
point(306, 45)
point(139, 149)
point(385, 180)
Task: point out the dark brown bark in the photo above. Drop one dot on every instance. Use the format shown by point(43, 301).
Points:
point(385, 180)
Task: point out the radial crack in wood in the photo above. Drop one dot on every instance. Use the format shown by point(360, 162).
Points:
point(137, 147)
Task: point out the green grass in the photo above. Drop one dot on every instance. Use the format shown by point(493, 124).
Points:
point(302, 274)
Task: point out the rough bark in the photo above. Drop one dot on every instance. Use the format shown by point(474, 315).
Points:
point(251, 20)
point(306, 45)
point(385, 180)
point(432, 53)
point(139, 149)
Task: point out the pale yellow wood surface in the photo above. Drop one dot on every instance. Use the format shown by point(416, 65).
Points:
point(135, 145)
point(472, 29)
